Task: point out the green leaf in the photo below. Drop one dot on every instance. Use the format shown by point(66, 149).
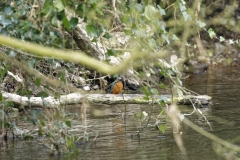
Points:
point(64, 2)
point(47, 4)
point(107, 35)
point(164, 98)
point(211, 33)
point(99, 11)
point(68, 123)
point(61, 15)
point(127, 31)
point(222, 39)
point(154, 91)
point(31, 63)
point(28, 137)
point(61, 75)
point(229, 60)
point(8, 11)
point(162, 112)
point(54, 21)
point(42, 123)
point(58, 4)
point(162, 11)
point(38, 82)
point(70, 143)
point(162, 128)
point(57, 95)
point(175, 38)
point(57, 124)
point(201, 24)
point(40, 133)
point(25, 118)
point(152, 43)
point(93, 1)
point(148, 74)
point(66, 23)
point(181, 116)
point(231, 41)
point(5, 22)
point(163, 86)
point(186, 16)
point(163, 73)
point(138, 115)
point(152, 71)
point(183, 2)
point(86, 136)
point(119, 1)
point(164, 36)
point(145, 90)
point(182, 7)
point(151, 13)
point(35, 113)
point(91, 30)
point(161, 25)
point(139, 7)
point(81, 10)
point(73, 22)
point(1, 97)
point(42, 94)
point(110, 52)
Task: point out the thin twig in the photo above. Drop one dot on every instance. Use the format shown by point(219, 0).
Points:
point(148, 118)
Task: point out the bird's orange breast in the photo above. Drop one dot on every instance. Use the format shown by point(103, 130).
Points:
point(117, 88)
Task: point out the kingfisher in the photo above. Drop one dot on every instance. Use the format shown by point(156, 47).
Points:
point(117, 86)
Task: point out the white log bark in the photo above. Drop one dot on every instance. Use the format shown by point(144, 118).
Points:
point(75, 98)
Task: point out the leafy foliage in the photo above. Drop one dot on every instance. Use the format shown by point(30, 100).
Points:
point(153, 28)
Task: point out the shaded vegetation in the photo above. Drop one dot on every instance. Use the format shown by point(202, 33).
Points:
point(60, 47)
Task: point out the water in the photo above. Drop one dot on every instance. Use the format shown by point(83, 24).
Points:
point(223, 86)
point(117, 139)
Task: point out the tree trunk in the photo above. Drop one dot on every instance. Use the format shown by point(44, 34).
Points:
point(84, 43)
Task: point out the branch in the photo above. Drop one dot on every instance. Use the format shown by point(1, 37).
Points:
point(84, 42)
point(75, 98)
point(78, 57)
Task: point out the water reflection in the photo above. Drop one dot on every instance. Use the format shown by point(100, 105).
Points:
point(116, 138)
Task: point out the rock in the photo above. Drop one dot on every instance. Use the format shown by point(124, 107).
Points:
point(86, 88)
point(95, 87)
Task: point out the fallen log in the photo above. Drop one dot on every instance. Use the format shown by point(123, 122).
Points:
point(76, 98)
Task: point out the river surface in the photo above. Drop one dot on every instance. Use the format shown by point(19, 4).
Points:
point(117, 139)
